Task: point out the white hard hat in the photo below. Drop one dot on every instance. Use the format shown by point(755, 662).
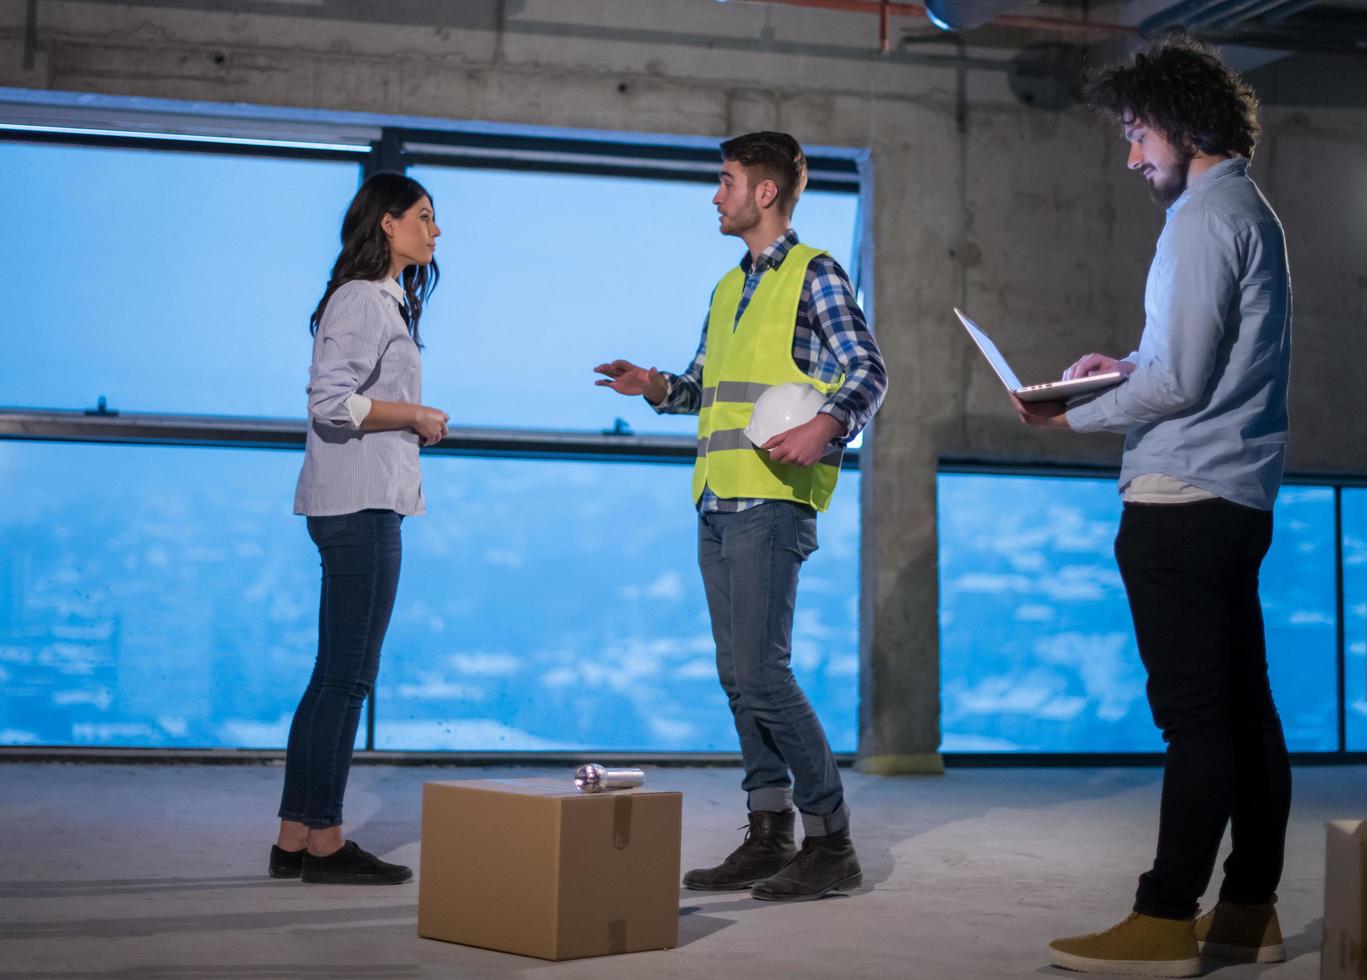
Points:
point(781, 408)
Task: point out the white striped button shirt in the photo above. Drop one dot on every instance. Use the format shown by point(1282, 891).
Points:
point(362, 351)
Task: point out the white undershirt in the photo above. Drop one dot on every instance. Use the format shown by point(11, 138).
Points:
point(1159, 488)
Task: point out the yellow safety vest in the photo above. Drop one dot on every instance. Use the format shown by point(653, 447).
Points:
point(743, 360)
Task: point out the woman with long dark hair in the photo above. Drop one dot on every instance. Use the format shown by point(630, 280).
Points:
point(360, 479)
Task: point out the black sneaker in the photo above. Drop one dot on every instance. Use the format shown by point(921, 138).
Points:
point(767, 847)
point(285, 864)
point(825, 864)
point(352, 866)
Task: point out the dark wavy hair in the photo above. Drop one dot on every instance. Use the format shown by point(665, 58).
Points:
point(778, 157)
point(365, 249)
point(1180, 87)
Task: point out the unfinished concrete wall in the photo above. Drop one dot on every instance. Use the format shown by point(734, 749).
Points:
point(1024, 216)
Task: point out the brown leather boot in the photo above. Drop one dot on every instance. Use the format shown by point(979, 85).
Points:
point(1140, 946)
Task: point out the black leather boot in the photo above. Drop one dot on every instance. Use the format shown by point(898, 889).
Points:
point(767, 847)
point(824, 865)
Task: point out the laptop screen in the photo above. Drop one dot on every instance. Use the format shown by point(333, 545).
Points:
point(989, 349)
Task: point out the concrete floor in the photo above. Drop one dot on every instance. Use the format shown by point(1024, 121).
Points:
point(145, 871)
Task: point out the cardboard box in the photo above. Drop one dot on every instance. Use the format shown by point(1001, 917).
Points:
point(1344, 953)
point(538, 868)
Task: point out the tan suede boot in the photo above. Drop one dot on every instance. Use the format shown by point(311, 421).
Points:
point(1141, 946)
point(1245, 933)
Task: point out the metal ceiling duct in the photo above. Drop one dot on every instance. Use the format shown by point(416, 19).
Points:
point(1197, 15)
point(964, 15)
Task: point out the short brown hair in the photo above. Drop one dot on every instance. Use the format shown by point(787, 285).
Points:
point(778, 157)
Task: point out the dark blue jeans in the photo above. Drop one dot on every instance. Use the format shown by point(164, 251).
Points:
point(360, 554)
point(750, 562)
point(1191, 575)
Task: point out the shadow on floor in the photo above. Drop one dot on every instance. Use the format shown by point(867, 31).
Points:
point(694, 925)
point(355, 919)
point(134, 886)
point(255, 971)
point(1304, 943)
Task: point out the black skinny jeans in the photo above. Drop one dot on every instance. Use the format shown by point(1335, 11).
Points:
point(361, 554)
point(1191, 575)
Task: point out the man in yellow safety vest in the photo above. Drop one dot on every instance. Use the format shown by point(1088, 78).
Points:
point(787, 313)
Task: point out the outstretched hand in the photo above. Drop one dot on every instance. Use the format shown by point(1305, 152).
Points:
point(626, 378)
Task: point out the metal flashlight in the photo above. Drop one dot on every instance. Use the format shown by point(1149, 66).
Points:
point(593, 778)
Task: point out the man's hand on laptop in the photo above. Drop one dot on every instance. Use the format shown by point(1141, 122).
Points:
point(1042, 415)
point(1092, 364)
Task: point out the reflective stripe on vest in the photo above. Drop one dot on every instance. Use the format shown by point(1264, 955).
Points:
point(743, 360)
point(724, 439)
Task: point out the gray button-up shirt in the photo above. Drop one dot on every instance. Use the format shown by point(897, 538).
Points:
point(1206, 404)
point(362, 351)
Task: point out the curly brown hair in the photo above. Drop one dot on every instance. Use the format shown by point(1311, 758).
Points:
point(1179, 86)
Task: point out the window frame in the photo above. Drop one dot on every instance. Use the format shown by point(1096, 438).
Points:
point(1335, 482)
point(376, 148)
point(396, 148)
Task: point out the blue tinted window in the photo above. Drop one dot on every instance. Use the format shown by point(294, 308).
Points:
point(546, 275)
point(152, 597)
point(1037, 644)
point(553, 605)
point(1301, 619)
point(167, 597)
point(168, 282)
point(1354, 503)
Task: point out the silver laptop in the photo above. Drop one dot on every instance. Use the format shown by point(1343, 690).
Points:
point(1049, 391)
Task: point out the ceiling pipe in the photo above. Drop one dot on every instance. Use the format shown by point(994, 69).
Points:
point(1193, 15)
point(1256, 10)
point(1176, 15)
point(1233, 10)
point(1271, 12)
point(888, 8)
point(1285, 10)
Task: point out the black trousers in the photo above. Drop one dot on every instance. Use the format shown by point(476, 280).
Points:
point(1191, 576)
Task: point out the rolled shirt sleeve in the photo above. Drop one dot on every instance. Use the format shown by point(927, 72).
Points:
point(683, 395)
point(347, 351)
point(358, 407)
point(835, 317)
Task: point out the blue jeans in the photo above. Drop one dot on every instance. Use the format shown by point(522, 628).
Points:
point(750, 562)
point(360, 554)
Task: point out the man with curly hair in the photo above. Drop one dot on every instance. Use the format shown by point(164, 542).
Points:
point(1203, 410)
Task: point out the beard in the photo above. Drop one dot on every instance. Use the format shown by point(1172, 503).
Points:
point(747, 218)
point(1166, 184)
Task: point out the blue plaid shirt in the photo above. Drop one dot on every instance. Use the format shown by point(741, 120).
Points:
point(831, 339)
